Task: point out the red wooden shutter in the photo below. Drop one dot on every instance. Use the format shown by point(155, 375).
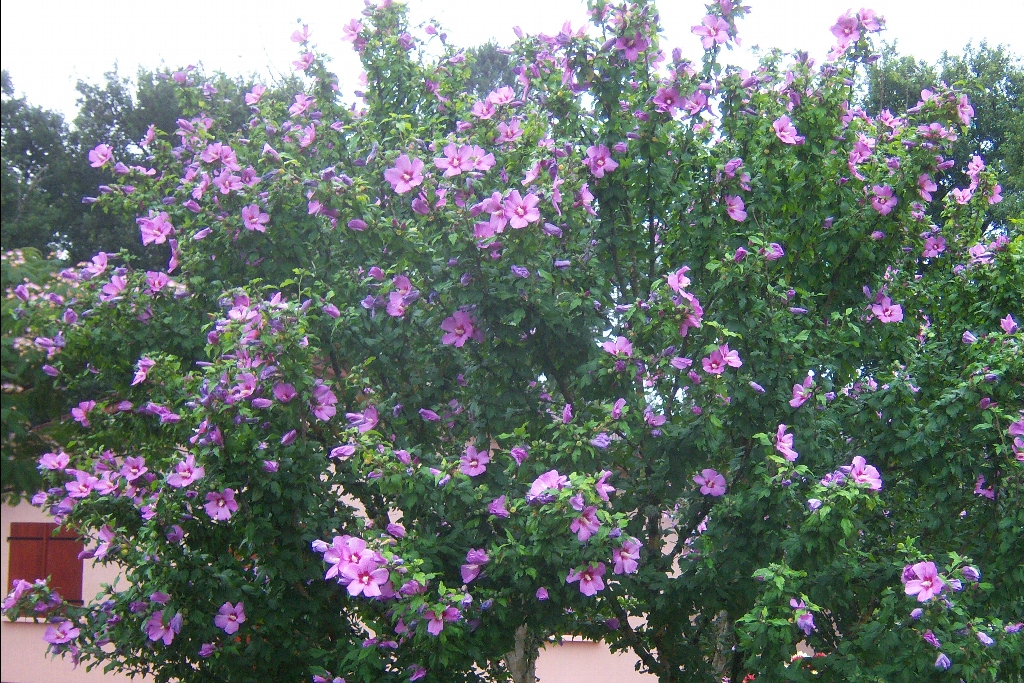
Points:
point(27, 559)
point(36, 553)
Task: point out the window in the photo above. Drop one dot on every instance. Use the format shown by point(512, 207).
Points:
point(36, 553)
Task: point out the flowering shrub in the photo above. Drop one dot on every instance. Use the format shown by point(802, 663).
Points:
point(659, 353)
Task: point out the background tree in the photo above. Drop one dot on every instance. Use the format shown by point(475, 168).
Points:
point(35, 162)
point(490, 68)
point(992, 78)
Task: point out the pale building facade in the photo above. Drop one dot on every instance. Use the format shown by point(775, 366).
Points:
point(24, 657)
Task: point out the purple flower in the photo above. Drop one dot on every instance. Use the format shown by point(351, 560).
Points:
point(207, 649)
point(1008, 324)
point(497, 507)
point(711, 483)
point(786, 131)
point(473, 462)
point(631, 46)
point(475, 560)
point(882, 199)
point(519, 454)
point(599, 161)
point(712, 31)
point(456, 159)
point(542, 593)
point(805, 621)
point(142, 368)
point(774, 252)
point(922, 580)
point(220, 506)
point(253, 218)
point(229, 617)
point(735, 208)
point(82, 411)
point(406, 174)
point(323, 403)
point(157, 630)
point(134, 468)
point(521, 211)
point(931, 639)
point(364, 421)
point(625, 558)
point(100, 155)
point(602, 486)
point(460, 329)
point(862, 473)
point(364, 577)
point(186, 472)
point(435, 623)
point(802, 392)
point(617, 408)
point(621, 347)
point(784, 444)
point(942, 662)
point(602, 440)
point(549, 481)
point(886, 311)
point(54, 461)
point(63, 632)
point(589, 578)
point(343, 452)
point(587, 524)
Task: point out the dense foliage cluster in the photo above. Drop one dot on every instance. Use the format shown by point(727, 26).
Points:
point(665, 354)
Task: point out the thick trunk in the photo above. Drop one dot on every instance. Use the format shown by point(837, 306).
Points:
point(521, 662)
point(724, 646)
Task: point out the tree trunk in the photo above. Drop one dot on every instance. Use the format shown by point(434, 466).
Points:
point(724, 645)
point(521, 662)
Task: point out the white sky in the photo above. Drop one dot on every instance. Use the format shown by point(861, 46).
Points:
point(47, 45)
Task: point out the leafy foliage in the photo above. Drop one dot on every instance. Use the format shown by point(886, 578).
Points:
point(668, 355)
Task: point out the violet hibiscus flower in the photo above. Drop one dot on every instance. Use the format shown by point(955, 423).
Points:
point(784, 444)
point(460, 329)
point(923, 580)
point(711, 483)
point(589, 578)
point(229, 617)
point(474, 462)
point(221, 505)
point(405, 174)
point(599, 160)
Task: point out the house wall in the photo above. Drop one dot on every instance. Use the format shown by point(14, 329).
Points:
point(582, 661)
point(24, 657)
point(22, 648)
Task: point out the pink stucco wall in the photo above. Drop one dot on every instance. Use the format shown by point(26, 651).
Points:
point(581, 661)
point(24, 657)
point(22, 648)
